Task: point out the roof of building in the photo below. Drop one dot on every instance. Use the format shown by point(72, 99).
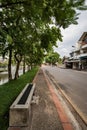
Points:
point(84, 35)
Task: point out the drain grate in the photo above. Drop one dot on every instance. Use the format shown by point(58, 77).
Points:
point(25, 95)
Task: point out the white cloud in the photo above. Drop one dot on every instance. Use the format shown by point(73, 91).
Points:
point(72, 34)
point(60, 45)
point(64, 50)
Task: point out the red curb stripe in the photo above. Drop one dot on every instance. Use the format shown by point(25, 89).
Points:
point(63, 117)
point(67, 127)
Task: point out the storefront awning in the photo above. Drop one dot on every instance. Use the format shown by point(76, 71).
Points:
point(71, 61)
point(83, 57)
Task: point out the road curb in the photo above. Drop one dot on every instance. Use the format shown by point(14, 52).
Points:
point(74, 106)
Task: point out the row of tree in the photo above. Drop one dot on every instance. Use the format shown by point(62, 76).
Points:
point(30, 28)
point(53, 58)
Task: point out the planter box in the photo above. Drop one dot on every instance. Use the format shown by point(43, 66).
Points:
point(20, 110)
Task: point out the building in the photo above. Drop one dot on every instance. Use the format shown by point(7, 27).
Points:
point(78, 56)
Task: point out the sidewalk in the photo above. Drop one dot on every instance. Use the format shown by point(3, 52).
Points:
point(47, 114)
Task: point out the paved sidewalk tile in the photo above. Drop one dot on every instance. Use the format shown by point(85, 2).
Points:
point(44, 114)
point(47, 112)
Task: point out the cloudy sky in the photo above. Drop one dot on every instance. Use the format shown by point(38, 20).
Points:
point(72, 34)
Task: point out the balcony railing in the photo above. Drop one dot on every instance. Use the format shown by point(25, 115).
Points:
point(83, 55)
point(84, 46)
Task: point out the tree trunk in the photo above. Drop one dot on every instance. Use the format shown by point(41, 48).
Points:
point(24, 65)
point(9, 65)
point(18, 58)
point(17, 69)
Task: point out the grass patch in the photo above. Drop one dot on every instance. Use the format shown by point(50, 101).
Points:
point(8, 93)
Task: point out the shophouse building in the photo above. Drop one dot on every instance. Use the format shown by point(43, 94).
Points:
point(78, 56)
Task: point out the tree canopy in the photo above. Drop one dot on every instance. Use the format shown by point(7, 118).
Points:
point(52, 58)
point(31, 27)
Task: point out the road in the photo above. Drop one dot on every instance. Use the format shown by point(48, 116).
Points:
point(74, 84)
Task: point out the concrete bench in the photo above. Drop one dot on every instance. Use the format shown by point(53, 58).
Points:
point(20, 110)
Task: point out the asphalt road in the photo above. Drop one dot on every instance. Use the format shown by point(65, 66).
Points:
point(74, 84)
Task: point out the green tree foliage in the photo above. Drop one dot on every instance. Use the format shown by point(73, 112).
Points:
point(49, 37)
point(52, 58)
point(27, 24)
